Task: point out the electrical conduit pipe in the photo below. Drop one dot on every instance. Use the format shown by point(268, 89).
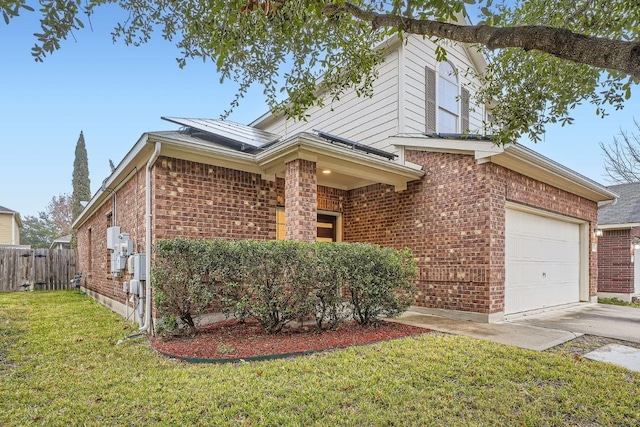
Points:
point(147, 242)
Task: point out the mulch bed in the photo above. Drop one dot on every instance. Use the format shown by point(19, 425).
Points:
point(233, 340)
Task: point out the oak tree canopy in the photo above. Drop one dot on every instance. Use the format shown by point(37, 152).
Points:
point(544, 57)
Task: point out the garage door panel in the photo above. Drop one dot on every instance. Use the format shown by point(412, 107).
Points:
point(542, 262)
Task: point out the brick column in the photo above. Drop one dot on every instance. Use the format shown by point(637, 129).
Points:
point(301, 201)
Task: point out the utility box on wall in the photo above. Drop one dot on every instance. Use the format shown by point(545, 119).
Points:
point(112, 237)
point(121, 246)
point(137, 266)
point(125, 244)
point(117, 263)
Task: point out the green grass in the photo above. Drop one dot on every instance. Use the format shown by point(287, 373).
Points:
point(616, 301)
point(60, 365)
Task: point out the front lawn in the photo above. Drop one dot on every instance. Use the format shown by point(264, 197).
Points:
point(60, 364)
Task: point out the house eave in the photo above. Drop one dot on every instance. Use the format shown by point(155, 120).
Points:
point(206, 153)
point(363, 168)
point(619, 226)
point(136, 156)
point(514, 157)
point(529, 163)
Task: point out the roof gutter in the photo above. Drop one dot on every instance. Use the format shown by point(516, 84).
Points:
point(97, 199)
point(532, 157)
point(147, 242)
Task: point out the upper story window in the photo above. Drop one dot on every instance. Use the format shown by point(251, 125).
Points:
point(447, 104)
point(448, 95)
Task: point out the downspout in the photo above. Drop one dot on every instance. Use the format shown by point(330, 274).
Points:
point(147, 242)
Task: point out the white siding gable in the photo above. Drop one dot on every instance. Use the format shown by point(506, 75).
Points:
point(398, 102)
point(418, 54)
point(366, 120)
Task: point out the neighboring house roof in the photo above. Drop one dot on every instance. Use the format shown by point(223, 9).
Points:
point(3, 209)
point(64, 240)
point(17, 215)
point(626, 210)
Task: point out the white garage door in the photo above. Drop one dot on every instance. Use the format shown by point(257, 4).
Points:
point(542, 258)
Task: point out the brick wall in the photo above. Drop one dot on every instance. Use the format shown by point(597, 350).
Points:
point(93, 256)
point(453, 220)
point(527, 191)
point(199, 201)
point(615, 268)
point(329, 199)
point(301, 200)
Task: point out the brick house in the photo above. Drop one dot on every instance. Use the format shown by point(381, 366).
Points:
point(496, 230)
point(619, 245)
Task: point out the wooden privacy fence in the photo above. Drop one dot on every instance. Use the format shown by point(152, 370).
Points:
point(39, 269)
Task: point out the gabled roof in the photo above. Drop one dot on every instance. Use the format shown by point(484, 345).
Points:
point(627, 208)
point(511, 156)
point(222, 144)
point(7, 210)
point(14, 213)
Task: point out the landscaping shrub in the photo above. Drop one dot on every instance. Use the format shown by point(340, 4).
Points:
point(275, 282)
point(379, 281)
point(331, 275)
point(187, 275)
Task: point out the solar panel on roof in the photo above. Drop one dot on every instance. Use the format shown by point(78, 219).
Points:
point(469, 136)
point(355, 145)
point(226, 131)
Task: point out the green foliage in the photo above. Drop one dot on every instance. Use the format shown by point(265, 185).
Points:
point(379, 281)
point(80, 179)
point(184, 278)
point(60, 366)
point(41, 230)
point(617, 301)
point(38, 231)
point(285, 46)
point(277, 282)
point(331, 278)
point(531, 89)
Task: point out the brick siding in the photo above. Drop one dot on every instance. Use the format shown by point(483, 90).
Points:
point(199, 201)
point(453, 219)
point(301, 200)
point(93, 256)
point(615, 266)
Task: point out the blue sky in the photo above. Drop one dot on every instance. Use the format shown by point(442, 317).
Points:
point(114, 93)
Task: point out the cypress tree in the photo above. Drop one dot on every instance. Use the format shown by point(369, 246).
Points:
point(80, 180)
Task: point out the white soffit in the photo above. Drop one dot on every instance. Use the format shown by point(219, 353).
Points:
point(618, 226)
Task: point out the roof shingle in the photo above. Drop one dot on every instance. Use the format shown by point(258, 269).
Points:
point(626, 210)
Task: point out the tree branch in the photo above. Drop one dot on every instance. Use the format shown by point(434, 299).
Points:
point(598, 52)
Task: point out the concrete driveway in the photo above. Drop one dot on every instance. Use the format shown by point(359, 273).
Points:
point(610, 321)
point(542, 330)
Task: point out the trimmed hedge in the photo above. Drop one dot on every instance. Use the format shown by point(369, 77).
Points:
point(277, 282)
